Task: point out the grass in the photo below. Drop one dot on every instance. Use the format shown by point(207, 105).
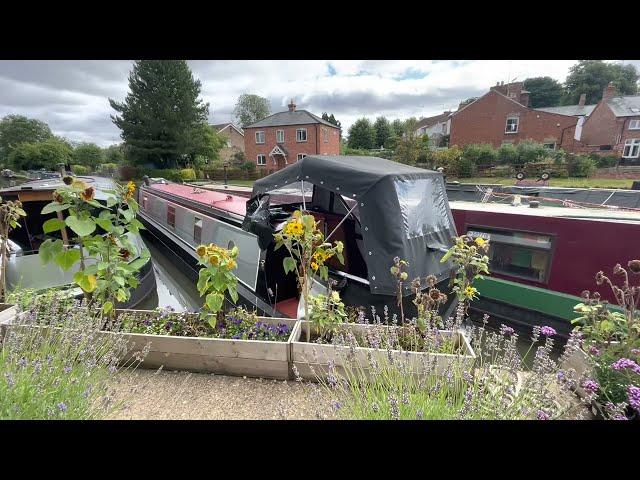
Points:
point(556, 182)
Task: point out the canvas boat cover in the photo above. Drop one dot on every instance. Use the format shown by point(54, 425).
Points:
point(403, 211)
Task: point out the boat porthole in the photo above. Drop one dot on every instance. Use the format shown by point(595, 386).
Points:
point(366, 229)
point(373, 278)
point(370, 253)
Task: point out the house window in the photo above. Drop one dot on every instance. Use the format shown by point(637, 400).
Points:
point(279, 136)
point(259, 137)
point(631, 148)
point(550, 146)
point(197, 230)
point(517, 254)
point(171, 216)
point(325, 135)
point(301, 156)
point(634, 124)
point(606, 147)
point(262, 159)
point(512, 125)
point(301, 135)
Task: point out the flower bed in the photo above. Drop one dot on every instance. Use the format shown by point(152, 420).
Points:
point(359, 343)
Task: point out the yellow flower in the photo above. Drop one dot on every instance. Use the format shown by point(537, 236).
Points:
point(470, 291)
point(131, 189)
point(201, 250)
point(231, 264)
point(295, 229)
point(481, 242)
point(335, 296)
point(297, 214)
point(314, 266)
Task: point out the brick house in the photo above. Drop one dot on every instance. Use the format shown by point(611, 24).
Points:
point(285, 137)
point(502, 115)
point(613, 128)
point(436, 127)
point(235, 140)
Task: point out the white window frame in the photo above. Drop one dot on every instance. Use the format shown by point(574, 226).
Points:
point(298, 131)
point(506, 125)
point(301, 156)
point(633, 144)
point(278, 140)
point(257, 137)
point(634, 124)
point(264, 159)
point(553, 145)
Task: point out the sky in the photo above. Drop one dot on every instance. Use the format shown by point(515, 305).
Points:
point(72, 96)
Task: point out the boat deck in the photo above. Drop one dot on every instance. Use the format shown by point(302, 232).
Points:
point(222, 201)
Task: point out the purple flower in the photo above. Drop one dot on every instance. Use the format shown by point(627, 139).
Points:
point(633, 393)
point(547, 331)
point(505, 330)
point(542, 415)
point(67, 369)
point(594, 351)
point(22, 362)
point(336, 405)
point(168, 326)
point(635, 351)
point(626, 363)
point(62, 407)
point(591, 386)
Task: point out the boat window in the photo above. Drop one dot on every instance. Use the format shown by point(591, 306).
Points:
point(171, 216)
point(518, 254)
point(423, 205)
point(197, 230)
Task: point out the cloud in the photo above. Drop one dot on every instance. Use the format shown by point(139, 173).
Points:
point(72, 96)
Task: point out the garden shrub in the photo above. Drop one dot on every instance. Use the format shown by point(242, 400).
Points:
point(605, 161)
point(507, 154)
point(480, 154)
point(580, 166)
point(187, 174)
point(108, 168)
point(80, 169)
point(529, 151)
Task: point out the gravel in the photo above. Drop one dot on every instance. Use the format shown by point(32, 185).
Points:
point(173, 395)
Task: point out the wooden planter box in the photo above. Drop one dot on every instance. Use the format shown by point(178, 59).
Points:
point(311, 359)
point(7, 314)
point(251, 358)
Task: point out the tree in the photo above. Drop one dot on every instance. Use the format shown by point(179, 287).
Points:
point(383, 132)
point(17, 129)
point(160, 112)
point(88, 154)
point(362, 135)
point(47, 154)
point(409, 146)
point(251, 109)
point(114, 154)
point(398, 127)
point(592, 76)
point(331, 119)
point(202, 146)
point(543, 92)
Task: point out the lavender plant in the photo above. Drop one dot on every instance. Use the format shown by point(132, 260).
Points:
point(57, 365)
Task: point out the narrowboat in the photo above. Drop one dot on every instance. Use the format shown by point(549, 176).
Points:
point(24, 267)
point(379, 209)
point(543, 258)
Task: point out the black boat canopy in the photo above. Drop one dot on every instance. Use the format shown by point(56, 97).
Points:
point(403, 211)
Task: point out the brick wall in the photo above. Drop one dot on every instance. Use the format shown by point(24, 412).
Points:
point(314, 145)
point(484, 121)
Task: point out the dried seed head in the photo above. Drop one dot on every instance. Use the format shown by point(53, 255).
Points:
point(634, 266)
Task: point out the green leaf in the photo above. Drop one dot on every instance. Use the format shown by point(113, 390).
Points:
point(203, 281)
point(233, 293)
point(105, 224)
point(289, 264)
point(111, 201)
point(138, 263)
point(54, 207)
point(119, 280)
point(85, 282)
point(127, 214)
point(212, 320)
point(107, 307)
point(67, 258)
point(81, 227)
point(121, 295)
point(133, 282)
point(53, 225)
point(214, 302)
point(446, 256)
point(49, 249)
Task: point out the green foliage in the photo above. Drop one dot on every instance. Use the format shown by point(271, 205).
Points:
point(162, 119)
point(470, 262)
point(592, 76)
point(108, 168)
point(507, 154)
point(112, 274)
point(480, 154)
point(114, 154)
point(397, 127)
point(543, 92)
point(251, 108)
point(605, 161)
point(331, 119)
point(580, 166)
point(10, 214)
point(80, 169)
point(326, 312)
point(362, 134)
point(45, 154)
point(16, 130)
point(216, 278)
point(529, 151)
point(248, 167)
point(382, 129)
point(88, 154)
point(187, 174)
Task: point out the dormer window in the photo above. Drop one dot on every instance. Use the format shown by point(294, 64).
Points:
point(512, 125)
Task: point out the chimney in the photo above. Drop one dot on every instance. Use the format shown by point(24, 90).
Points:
point(524, 98)
point(292, 106)
point(583, 100)
point(609, 91)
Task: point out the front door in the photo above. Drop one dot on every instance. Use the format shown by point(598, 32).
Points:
point(280, 161)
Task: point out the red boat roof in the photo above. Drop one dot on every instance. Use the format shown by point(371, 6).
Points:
point(222, 201)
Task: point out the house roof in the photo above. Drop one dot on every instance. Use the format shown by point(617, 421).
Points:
point(430, 121)
point(628, 106)
point(570, 110)
point(222, 126)
point(297, 117)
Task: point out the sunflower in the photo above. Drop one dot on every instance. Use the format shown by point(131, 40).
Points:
point(124, 253)
point(213, 260)
point(88, 194)
point(131, 189)
point(201, 250)
point(481, 242)
point(470, 291)
point(314, 266)
point(231, 264)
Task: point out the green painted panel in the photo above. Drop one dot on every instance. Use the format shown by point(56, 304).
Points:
point(532, 298)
